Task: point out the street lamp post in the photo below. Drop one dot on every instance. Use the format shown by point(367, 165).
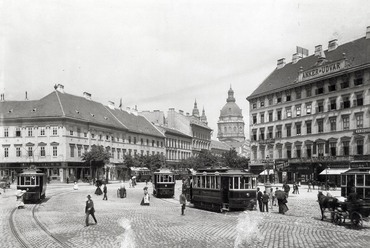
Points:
point(267, 183)
point(326, 182)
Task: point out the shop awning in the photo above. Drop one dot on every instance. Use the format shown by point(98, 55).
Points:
point(333, 171)
point(264, 173)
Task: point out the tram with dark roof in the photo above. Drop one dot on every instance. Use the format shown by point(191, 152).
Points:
point(164, 183)
point(223, 189)
point(33, 183)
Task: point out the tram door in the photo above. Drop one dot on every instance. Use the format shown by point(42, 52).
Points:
point(225, 189)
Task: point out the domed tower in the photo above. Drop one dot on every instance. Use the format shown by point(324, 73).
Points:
point(231, 124)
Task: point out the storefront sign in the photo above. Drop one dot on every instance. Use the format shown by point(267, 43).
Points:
point(322, 70)
point(361, 130)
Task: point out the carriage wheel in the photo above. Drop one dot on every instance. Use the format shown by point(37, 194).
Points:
point(337, 219)
point(356, 219)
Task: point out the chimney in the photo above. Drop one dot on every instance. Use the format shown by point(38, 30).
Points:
point(368, 32)
point(181, 112)
point(171, 109)
point(87, 95)
point(318, 50)
point(280, 63)
point(187, 114)
point(60, 88)
point(333, 44)
point(26, 96)
point(111, 104)
point(296, 57)
point(2, 98)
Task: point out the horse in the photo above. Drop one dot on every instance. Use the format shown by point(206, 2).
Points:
point(327, 202)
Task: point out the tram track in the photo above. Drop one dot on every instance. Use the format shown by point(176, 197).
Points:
point(27, 240)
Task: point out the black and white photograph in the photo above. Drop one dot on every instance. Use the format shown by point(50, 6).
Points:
point(184, 123)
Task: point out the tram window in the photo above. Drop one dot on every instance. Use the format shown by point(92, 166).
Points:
point(208, 182)
point(367, 193)
point(360, 192)
point(198, 182)
point(360, 180)
point(218, 179)
point(367, 180)
point(244, 183)
point(236, 182)
point(213, 182)
point(344, 180)
point(253, 182)
point(33, 181)
point(230, 183)
point(203, 182)
point(27, 181)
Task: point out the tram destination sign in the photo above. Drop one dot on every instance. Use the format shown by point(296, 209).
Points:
point(322, 70)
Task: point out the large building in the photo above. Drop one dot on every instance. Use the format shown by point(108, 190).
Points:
point(53, 133)
point(313, 113)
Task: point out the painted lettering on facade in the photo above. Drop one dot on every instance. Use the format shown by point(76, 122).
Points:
point(322, 70)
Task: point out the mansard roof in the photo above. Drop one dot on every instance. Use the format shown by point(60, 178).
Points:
point(174, 132)
point(356, 52)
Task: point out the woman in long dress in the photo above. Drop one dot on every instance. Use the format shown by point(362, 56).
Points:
point(75, 186)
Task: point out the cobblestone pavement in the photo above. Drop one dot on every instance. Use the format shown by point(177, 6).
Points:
point(124, 223)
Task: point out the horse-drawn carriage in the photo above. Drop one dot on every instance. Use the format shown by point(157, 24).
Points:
point(355, 212)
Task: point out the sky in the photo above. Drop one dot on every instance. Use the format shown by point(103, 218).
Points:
point(161, 54)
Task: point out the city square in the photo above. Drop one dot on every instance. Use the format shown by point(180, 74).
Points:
point(124, 223)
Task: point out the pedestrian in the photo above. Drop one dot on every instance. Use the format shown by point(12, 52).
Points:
point(105, 192)
point(90, 210)
point(130, 182)
point(297, 188)
point(272, 197)
point(67, 180)
point(259, 199)
point(282, 200)
point(309, 186)
point(265, 201)
point(313, 184)
point(75, 186)
point(182, 202)
point(146, 198)
point(286, 189)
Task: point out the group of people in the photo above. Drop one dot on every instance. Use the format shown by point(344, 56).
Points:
point(269, 198)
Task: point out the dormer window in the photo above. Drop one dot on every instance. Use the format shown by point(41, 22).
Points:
point(92, 114)
point(34, 110)
point(77, 111)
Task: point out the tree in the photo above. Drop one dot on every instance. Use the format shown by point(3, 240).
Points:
point(204, 159)
point(233, 160)
point(97, 157)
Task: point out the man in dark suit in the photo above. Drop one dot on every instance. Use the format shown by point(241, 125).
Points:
point(259, 199)
point(105, 192)
point(89, 209)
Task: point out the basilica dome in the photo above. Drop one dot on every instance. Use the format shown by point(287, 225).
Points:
point(230, 108)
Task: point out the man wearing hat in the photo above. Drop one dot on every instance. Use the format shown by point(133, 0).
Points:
point(89, 209)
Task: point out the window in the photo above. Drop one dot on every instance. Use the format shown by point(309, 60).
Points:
point(333, 148)
point(346, 148)
point(346, 102)
point(42, 151)
point(360, 147)
point(262, 103)
point(129, 139)
point(141, 141)
point(30, 151)
point(280, 152)
point(289, 152)
point(18, 151)
point(6, 152)
point(320, 90)
point(79, 151)
point(72, 151)
point(359, 120)
point(270, 101)
point(106, 137)
point(85, 134)
point(78, 132)
point(262, 133)
point(288, 130)
point(320, 125)
point(254, 135)
point(93, 136)
point(359, 101)
point(279, 115)
point(262, 116)
point(308, 108)
point(308, 91)
point(254, 105)
point(345, 120)
point(55, 131)
point(71, 132)
point(289, 112)
point(254, 118)
point(333, 124)
point(134, 140)
point(42, 131)
point(100, 137)
point(358, 78)
point(270, 132)
point(153, 142)
point(309, 150)
point(345, 82)
point(55, 151)
point(333, 104)
point(298, 128)
point(298, 94)
point(270, 117)
point(157, 143)
point(298, 151)
point(332, 86)
point(278, 132)
point(288, 97)
point(320, 149)
point(298, 110)
point(29, 132)
point(320, 107)
point(309, 127)
point(278, 99)
point(6, 132)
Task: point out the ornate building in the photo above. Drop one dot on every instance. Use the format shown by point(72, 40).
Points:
point(313, 113)
point(230, 123)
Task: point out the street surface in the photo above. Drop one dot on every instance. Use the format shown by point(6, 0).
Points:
point(60, 222)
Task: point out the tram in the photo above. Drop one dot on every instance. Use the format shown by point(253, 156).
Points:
point(141, 174)
point(357, 178)
point(34, 183)
point(164, 183)
point(223, 189)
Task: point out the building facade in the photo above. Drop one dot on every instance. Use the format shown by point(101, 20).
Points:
point(313, 113)
point(54, 132)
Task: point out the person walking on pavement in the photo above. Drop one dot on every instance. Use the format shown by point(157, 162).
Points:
point(272, 197)
point(90, 210)
point(259, 199)
point(286, 188)
point(265, 201)
point(105, 192)
point(182, 203)
point(309, 186)
point(281, 197)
